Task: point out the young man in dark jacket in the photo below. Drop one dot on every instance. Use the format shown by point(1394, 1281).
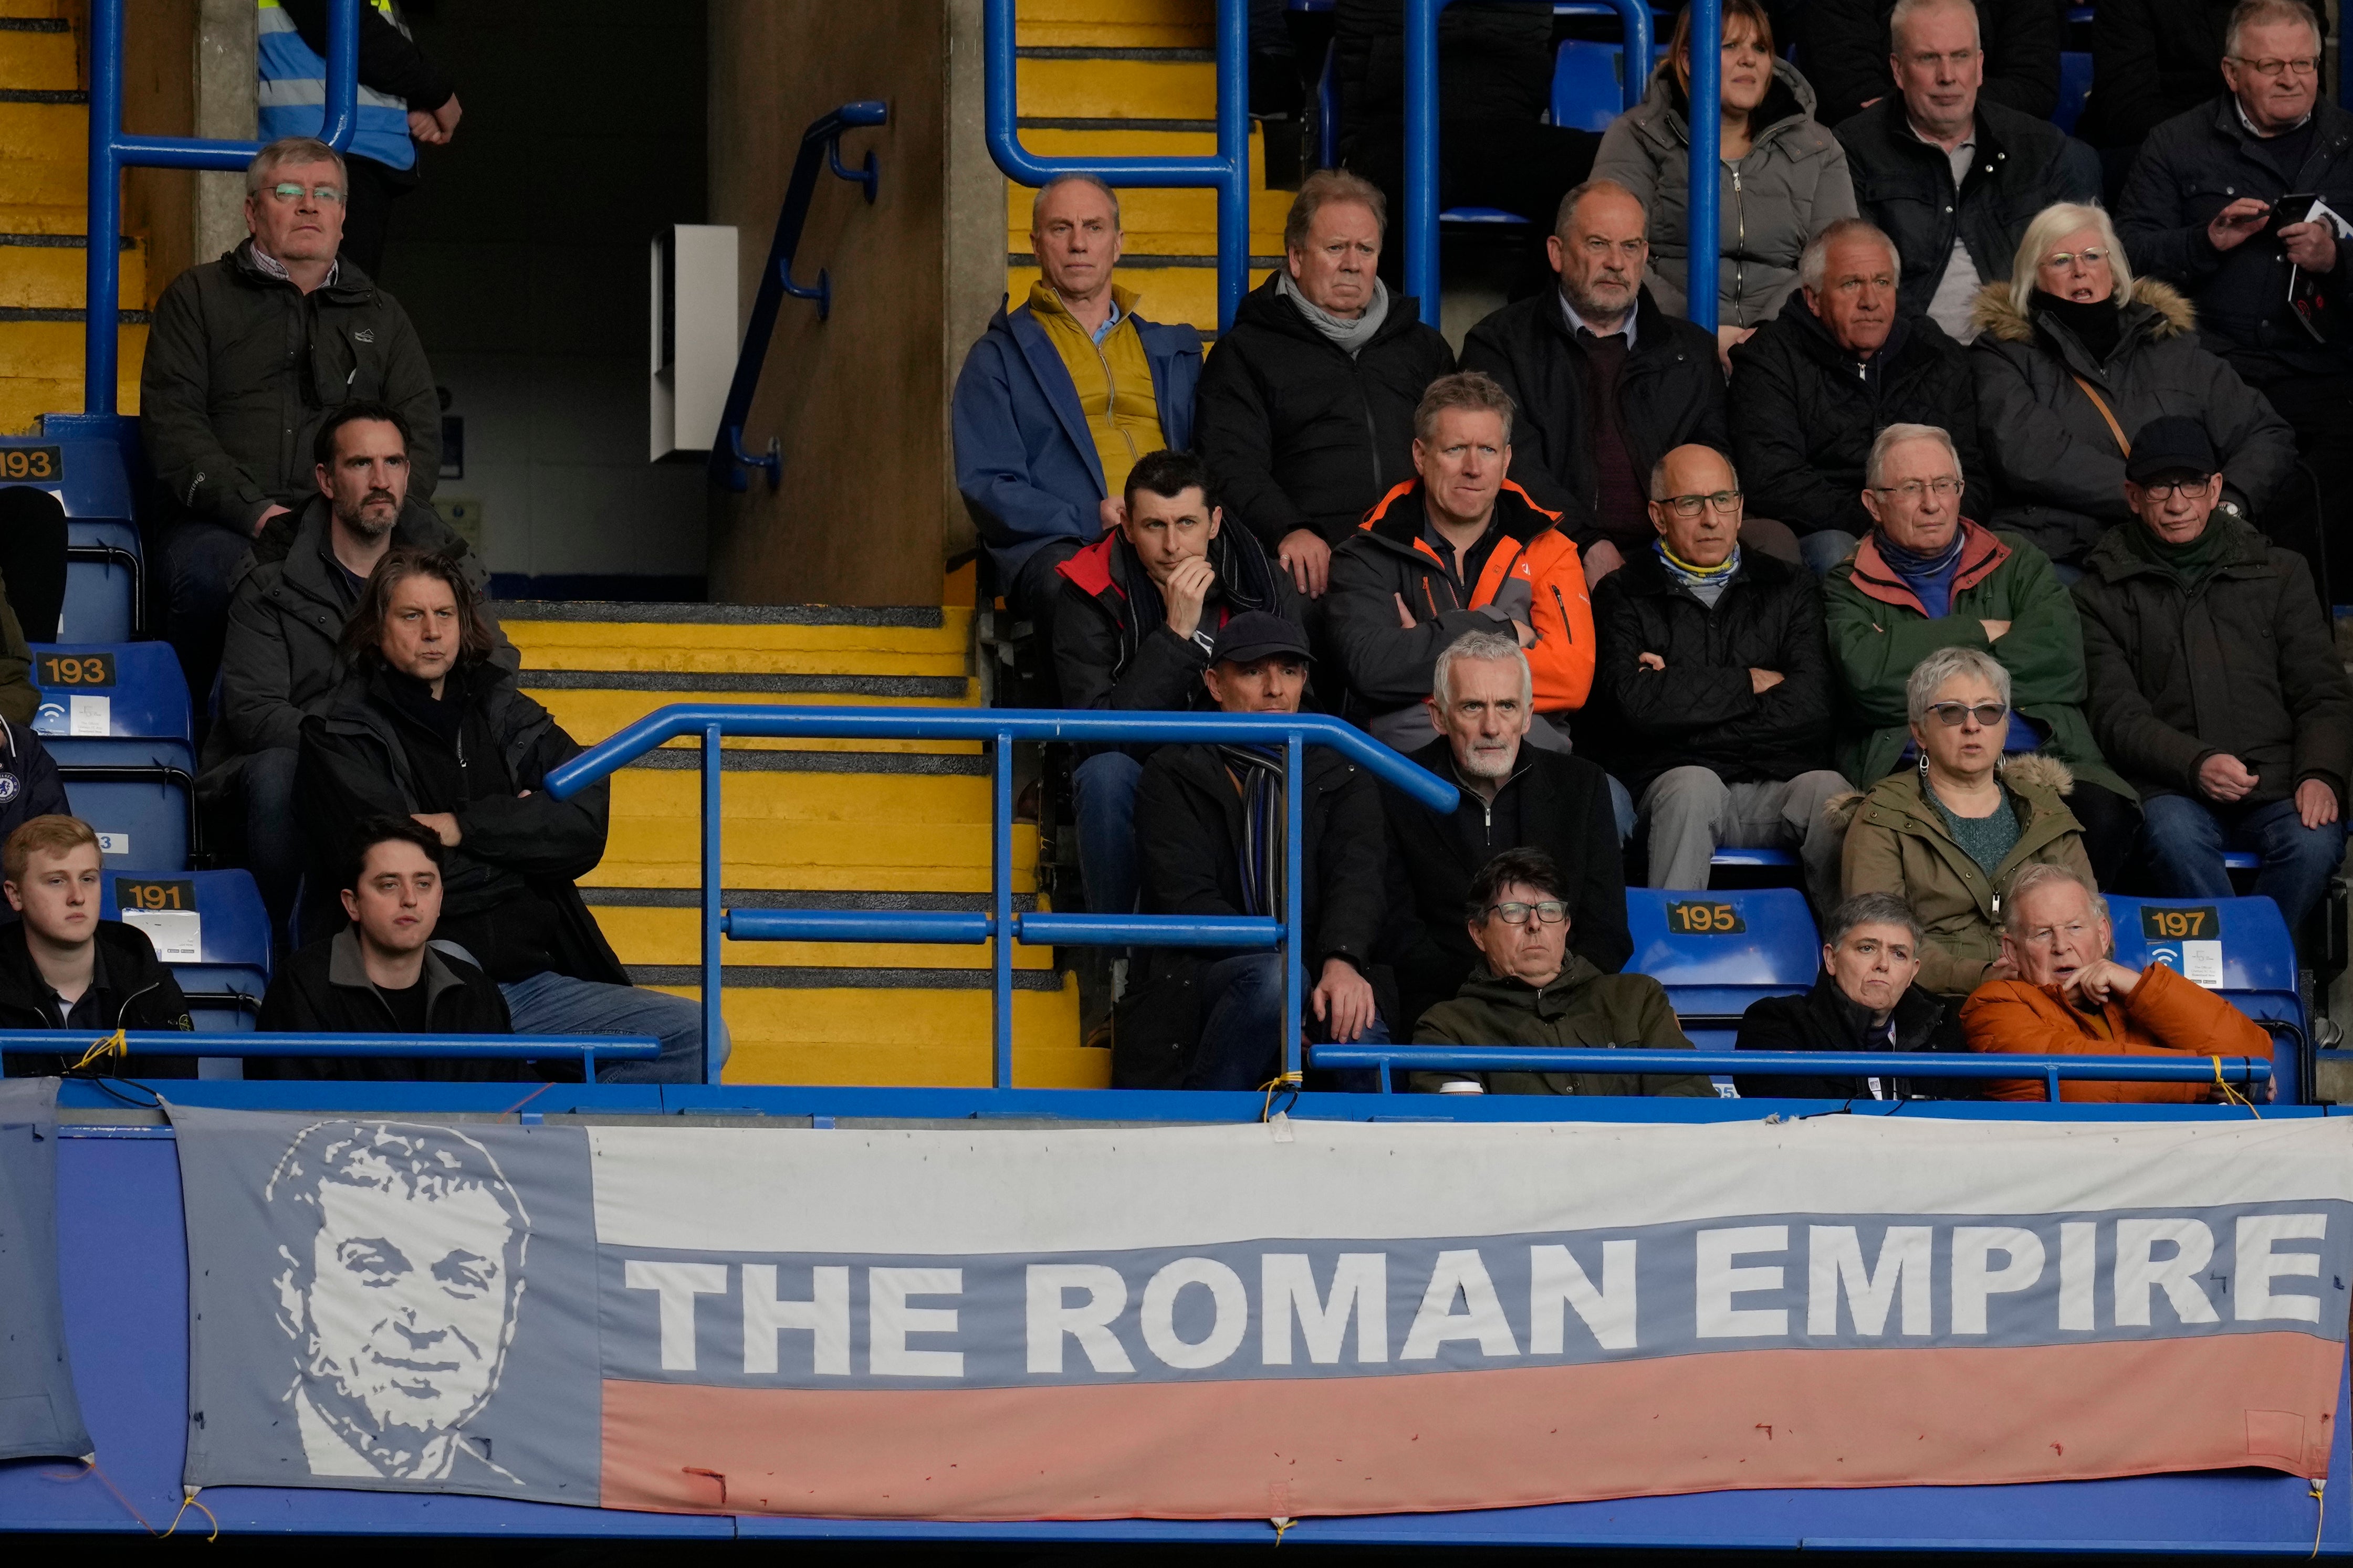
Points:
point(2216, 685)
point(1716, 685)
point(61, 968)
point(1305, 412)
point(1863, 1001)
point(1210, 828)
point(1515, 796)
point(1849, 44)
point(1139, 611)
point(1812, 388)
point(425, 727)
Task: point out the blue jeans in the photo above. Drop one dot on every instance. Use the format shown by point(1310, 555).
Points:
point(1241, 1025)
point(1103, 791)
point(1622, 808)
point(2185, 839)
point(1825, 548)
point(552, 1003)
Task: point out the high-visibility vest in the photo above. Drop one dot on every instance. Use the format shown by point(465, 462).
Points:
point(293, 93)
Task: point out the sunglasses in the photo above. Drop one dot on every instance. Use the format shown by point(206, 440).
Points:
point(1988, 714)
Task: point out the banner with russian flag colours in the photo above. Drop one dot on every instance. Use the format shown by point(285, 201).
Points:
point(1265, 1320)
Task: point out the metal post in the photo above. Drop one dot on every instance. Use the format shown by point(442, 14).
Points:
point(1421, 154)
point(1295, 919)
point(1233, 151)
point(714, 865)
point(1703, 224)
point(102, 293)
point(1000, 882)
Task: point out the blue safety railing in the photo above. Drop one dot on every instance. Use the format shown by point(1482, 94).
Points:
point(1001, 729)
point(2053, 1069)
point(587, 1048)
point(1227, 173)
point(820, 143)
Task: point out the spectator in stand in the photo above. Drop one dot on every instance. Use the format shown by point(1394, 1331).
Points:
point(1305, 412)
point(1530, 990)
point(29, 783)
point(1210, 827)
point(1515, 796)
point(2066, 996)
point(2072, 354)
point(2268, 286)
point(381, 975)
point(1852, 46)
point(285, 621)
point(1945, 164)
point(1060, 396)
point(248, 357)
point(1139, 612)
point(1817, 384)
point(2151, 59)
point(61, 968)
point(1462, 548)
point(1605, 382)
point(2217, 688)
point(403, 99)
point(1716, 686)
point(1783, 178)
point(1863, 1001)
point(426, 726)
point(1947, 834)
point(1929, 578)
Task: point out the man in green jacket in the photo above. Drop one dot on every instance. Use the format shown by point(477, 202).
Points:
point(246, 356)
point(1927, 577)
point(1529, 990)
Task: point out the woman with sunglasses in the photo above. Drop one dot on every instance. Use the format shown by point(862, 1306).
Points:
point(1948, 832)
point(2072, 355)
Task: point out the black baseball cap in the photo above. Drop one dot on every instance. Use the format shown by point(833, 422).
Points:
point(2169, 446)
point(1256, 634)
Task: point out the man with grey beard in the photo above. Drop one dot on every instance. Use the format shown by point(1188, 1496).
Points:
point(1515, 796)
point(284, 621)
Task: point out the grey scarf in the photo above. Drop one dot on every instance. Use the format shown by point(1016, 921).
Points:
point(1349, 336)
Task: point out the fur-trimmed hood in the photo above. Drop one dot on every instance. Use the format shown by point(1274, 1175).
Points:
point(1995, 316)
point(2029, 772)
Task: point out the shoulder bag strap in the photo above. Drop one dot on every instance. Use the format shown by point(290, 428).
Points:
point(2102, 404)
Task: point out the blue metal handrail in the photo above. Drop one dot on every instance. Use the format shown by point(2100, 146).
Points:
point(2052, 1069)
point(112, 150)
point(1228, 172)
point(357, 1048)
point(712, 722)
point(821, 145)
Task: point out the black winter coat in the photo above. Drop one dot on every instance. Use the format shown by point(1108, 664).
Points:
point(361, 759)
point(130, 990)
point(1189, 831)
point(1824, 1020)
point(1670, 395)
point(2242, 664)
point(1563, 805)
point(1803, 420)
point(29, 785)
point(325, 989)
point(2151, 60)
point(242, 368)
point(1846, 49)
point(1702, 710)
point(2023, 165)
point(2193, 167)
point(1300, 434)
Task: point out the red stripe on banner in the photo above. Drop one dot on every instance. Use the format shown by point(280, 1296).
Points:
point(1440, 1441)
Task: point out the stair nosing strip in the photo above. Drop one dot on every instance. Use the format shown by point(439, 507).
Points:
point(61, 241)
point(951, 686)
point(58, 95)
point(60, 313)
point(796, 977)
point(34, 25)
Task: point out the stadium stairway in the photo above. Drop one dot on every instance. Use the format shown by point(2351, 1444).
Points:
point(831, 824)
point(1135, 78)
point(44, 181)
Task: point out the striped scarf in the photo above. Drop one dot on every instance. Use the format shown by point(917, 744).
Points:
point(1707, 583)
point(1259, 771)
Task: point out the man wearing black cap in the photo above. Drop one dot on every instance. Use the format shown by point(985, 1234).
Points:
point(2216, 688)
point(1208, 825)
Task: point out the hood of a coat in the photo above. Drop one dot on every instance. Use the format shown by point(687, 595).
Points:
point(1396, 520)
point(1509, 990)
point(2158, 310)
point(2043, 782)
point(1664, 112)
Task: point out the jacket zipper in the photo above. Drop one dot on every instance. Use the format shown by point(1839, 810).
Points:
point(1740, 242)
point(1562, 605)
point(1111, 402)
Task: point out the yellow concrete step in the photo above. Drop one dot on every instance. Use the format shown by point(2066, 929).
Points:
point(42, 8)
point(52, 351)
point(27, 218)
point(858, 801)
point(590, 715)
point(39, 62)
point(1116, 89)
point(1167, 293)
point(888, 1037)
point(913, 857)
point(645, 935)
point(748, 649)
point(24, 399)
point(56, 276)
point(55, 133)
point(1117, 24)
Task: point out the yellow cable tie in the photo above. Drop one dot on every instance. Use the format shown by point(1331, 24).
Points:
point(114, 1045)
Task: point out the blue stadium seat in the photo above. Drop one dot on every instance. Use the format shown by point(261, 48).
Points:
point(1715, 952)
point(2075, 87)
point(103, 560)
point(1588, 87)
point(1479, 215)
point(117, 720)
point(1726, 856)
point(2256, 957)
point(209, 928)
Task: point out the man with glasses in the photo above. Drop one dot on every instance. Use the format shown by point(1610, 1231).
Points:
point(247, 356)
point(2199, 212)
point(1716, 686)
point(1530, 990)
point(2216, 684)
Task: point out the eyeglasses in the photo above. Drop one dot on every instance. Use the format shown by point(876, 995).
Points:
point(1912, 490)
point(1689, 505)
point(2189, 489)
point(1552, 912)
point(290, 192)
point(2090, 256)
point(2270, 70)
point(1988, 714)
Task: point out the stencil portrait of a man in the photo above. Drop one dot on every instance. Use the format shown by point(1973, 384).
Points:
point(400, 1249)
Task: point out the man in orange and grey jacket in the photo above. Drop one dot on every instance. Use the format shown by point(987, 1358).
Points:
point(1460, 549)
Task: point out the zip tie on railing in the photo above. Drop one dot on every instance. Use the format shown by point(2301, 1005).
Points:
point(2317, 1482)
point(114, 1045)
point(2231, 1096)
point(1294, 1081)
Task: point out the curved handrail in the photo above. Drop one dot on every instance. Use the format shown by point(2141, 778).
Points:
point(820, 148)
point(356, 1047)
